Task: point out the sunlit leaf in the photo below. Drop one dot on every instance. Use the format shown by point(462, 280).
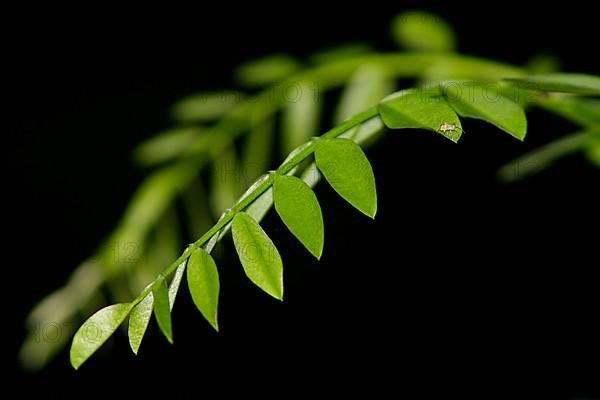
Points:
point(96, 330)
point(175, 283)
point(422, 109)
point(258, 255)
point(299, 209)
point(203, 282)
point(138, 322)
point(560, 82)
point(485, 102)
point(348, 171)
point(422, 31)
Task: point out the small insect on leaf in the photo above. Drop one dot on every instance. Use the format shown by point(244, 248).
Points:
point(299, 209)
point(95, 331)
point(421, 109)
point(162, 309)
point(258, 255)
point(349, 172)
point(203, 282)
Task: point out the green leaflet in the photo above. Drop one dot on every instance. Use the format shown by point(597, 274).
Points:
point(485, 102)
point(162, 309)
point(203, 107)
point(258, 255)
point(422, 109)
point(301, 114)
point(299, 210)
point(420, 30)
point(581, 111)
point(203, 282)
point(138, 322)
point(267, 70)
point(174, 286)
point(96, 330)
point(348, 171)
point(561, 82)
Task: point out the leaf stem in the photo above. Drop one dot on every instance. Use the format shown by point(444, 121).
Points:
point(286, 167)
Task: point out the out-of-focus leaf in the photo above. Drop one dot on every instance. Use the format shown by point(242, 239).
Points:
point(340, 53)
point(543, 64)
point(95, 331)
point(300, 119)
point(203, 282)
point(165, 145)
point(226, 176)
point(349, 172)
point(266, 71)
point(581, 111)
point(258, 255)
point(560, 82)
point(541, 158)
point(366, 88)
point(422, 31)
point(257, 150)
point(299, 210)
point(420, 109)
point(202, 107)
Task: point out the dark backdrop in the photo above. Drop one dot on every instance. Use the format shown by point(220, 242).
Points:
point(461, 286)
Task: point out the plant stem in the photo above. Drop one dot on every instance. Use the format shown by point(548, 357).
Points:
point(286, 167)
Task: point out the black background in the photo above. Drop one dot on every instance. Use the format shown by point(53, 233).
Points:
point(461, 286)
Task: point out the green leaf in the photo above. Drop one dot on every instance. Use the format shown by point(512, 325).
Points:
point(203, 107)
point(421, 109)
point(541, 158)
point(422, 31)
point(174, 286)
point(366, 87)
point(165, 145)
point(138, 322)
point(484, 101)
point(581, 111)
point(348, 171)
point(299, 209)
point(95, 331)
point(339, 53)
point(258, 255)
point(267, 70)
point(162, 309)
point(562, 82)
point(300, 118)
point(203, 282)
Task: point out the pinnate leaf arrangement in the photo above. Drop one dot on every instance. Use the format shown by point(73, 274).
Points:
point(454, 88)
